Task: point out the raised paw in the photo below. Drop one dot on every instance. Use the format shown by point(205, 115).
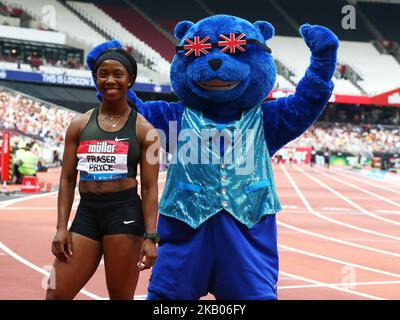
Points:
point(319, 39)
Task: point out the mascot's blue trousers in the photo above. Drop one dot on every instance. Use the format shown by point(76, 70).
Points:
point(222, 256)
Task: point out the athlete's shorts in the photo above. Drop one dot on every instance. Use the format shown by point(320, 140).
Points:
point(222, 256)
point(104, 214)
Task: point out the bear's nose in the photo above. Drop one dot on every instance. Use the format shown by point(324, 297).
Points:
point(215, 63)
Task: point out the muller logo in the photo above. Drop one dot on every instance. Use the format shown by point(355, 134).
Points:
point(102, 147)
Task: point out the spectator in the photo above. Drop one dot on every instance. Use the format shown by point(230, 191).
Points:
point(327, 157)
point(21, 149)
point(56, 158)
point(313, 156)
point(27, 165)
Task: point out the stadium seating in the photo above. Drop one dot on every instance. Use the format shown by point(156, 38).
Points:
point(341, 137)
point(66, 21)
point(110, 26)
point(141, 27)
point(298, 60)
point(327, 13)
point(282, 83)
point(380, 72)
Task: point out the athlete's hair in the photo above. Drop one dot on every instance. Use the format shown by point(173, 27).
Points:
point(121, 55)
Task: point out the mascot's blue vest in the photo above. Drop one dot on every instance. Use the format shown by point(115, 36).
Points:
point(200, 182)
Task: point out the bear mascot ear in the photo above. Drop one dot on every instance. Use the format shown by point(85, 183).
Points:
point(266, 29)
point(181, 28)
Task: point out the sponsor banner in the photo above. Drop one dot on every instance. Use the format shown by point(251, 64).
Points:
point(391, 177)
point(85, 176)
point(67, 80)
point(391, 98)
point(335, 98)
point(74, 81)
point(103, 159)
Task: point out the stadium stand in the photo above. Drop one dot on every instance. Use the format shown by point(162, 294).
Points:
point(354, 139)
point(380, 72)
point(30, 120)
point(139, 25)
point(76, 28)
point(115, 30)
point(135, 22)
point(66, 21)
point(33, 117)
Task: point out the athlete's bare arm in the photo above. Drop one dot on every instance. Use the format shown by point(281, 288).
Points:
point(149, 167)
point(61, 246)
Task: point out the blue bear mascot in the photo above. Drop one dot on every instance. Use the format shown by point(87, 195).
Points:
point(218, 210)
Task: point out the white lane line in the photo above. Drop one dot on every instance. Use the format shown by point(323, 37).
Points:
point(346, 199)
point(335, 209)
point(302, 197)
point(396, 204)
point(29, 208)
point(395, 212)
point(41, 270)
point(7, 203)
point(338, 213)
point(331, 286)
point(289, 207)
point(338, 261)
point(348, 243)
point(328, 196)
point(344, 284)
point(368, 180)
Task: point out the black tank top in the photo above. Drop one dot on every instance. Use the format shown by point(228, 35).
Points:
point(106, 156)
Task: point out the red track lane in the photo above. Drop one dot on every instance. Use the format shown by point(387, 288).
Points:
point(321, 257)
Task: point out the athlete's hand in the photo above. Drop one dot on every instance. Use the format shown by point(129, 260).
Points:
point(62, 245)
point(148, 255)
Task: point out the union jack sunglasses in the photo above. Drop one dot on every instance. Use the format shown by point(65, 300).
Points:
point(233, 43)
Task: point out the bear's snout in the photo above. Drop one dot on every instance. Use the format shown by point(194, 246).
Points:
point(215, 64)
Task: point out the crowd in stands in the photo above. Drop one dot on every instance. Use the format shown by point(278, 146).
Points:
point(355, 139)
point(34, 118)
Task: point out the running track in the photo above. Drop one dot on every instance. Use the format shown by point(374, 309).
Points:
point(339, 238)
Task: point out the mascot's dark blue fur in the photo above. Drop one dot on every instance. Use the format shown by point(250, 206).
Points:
point(218, 226)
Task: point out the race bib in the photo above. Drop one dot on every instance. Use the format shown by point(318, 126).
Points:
point(102, 160)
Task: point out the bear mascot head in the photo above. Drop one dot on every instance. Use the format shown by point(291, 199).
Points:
point(223, 61)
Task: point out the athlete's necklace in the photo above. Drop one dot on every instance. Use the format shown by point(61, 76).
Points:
point(111, 118)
